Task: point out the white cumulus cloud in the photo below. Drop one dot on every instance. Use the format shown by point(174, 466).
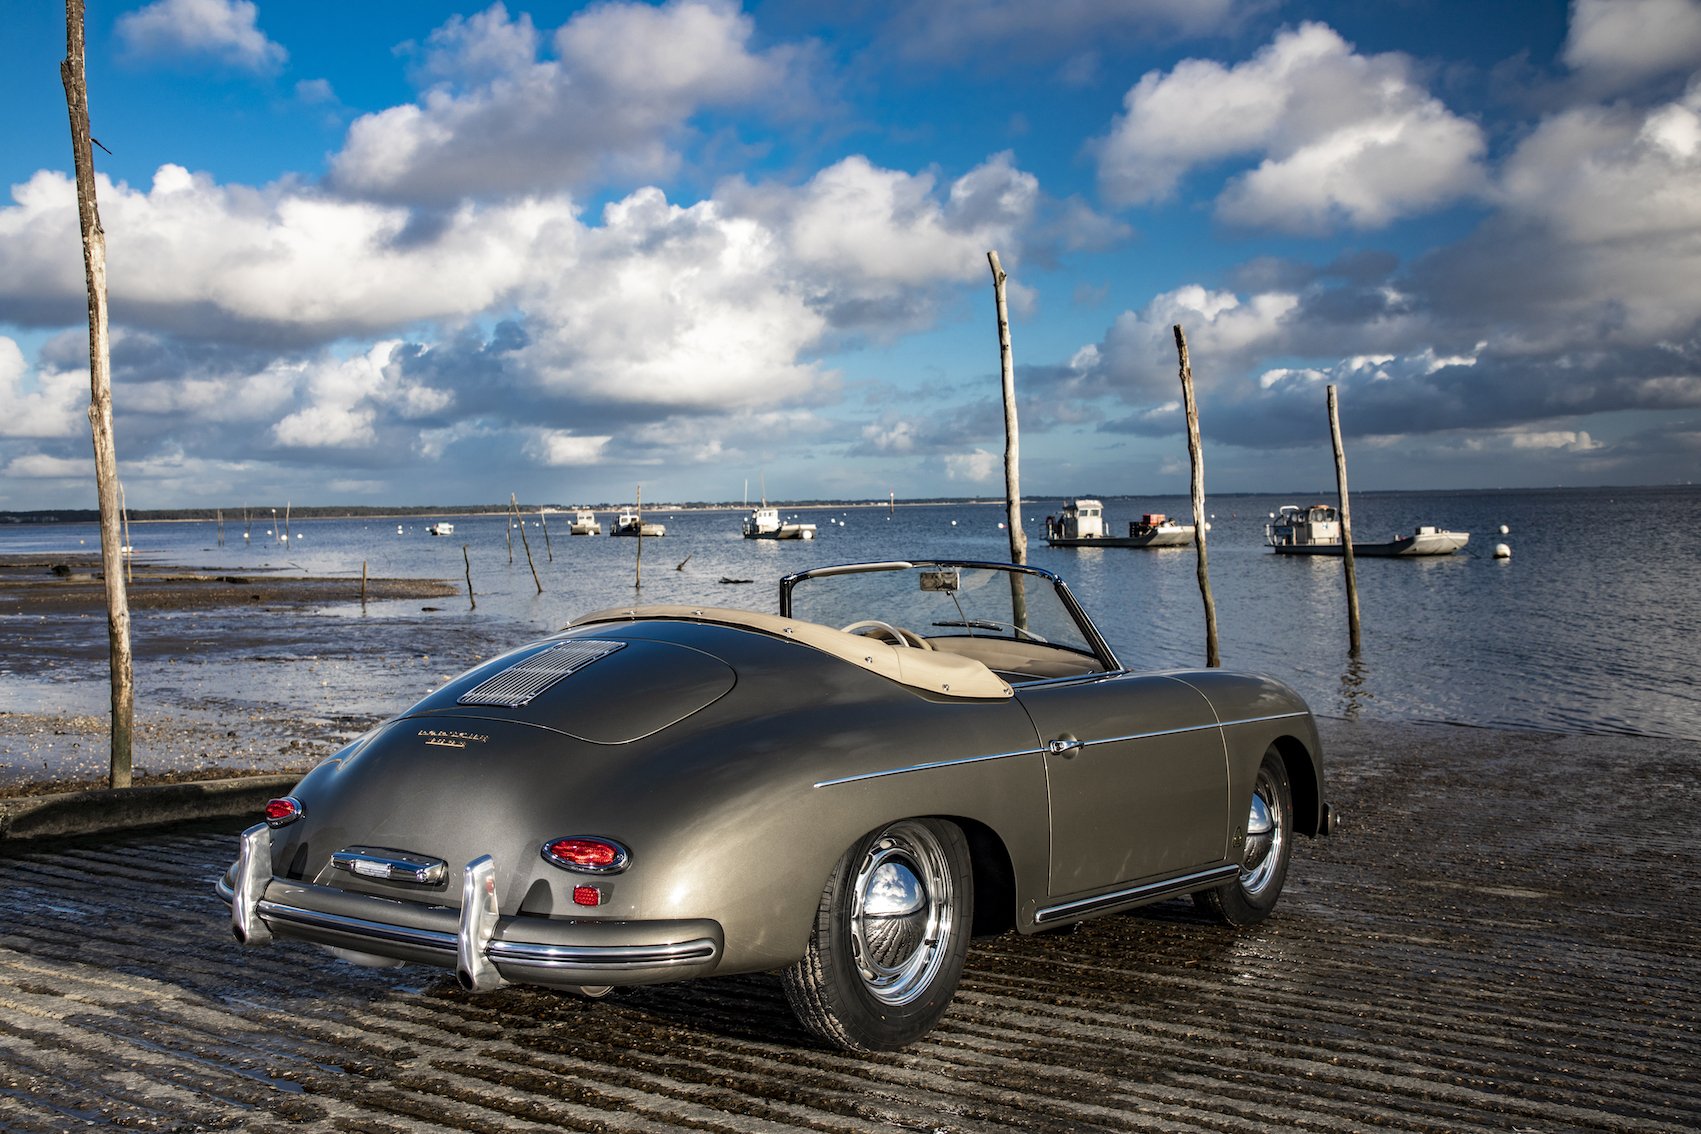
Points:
point(223, 30)
point(1615, 44)
point(1338, 137)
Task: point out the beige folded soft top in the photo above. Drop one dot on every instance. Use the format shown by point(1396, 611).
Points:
point(950, 674)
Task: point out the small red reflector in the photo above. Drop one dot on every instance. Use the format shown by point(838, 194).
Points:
point(586, 853)
point(281, 811)
point(586, 896)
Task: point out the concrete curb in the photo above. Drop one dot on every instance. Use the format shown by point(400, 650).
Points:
point(96, 812)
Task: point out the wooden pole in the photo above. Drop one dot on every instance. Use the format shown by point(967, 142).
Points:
point(363, 584)
point(1012, 441)
point(514, 503)
point(472, 602)
point(1012, 449)
point(1196, 455)
point(1353, 638)
point(71, 73)
point(543, 522)
point(129, 548)
point(288, 504)
point(638, 563)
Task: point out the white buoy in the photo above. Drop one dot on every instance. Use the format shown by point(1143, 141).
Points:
point(1501, 551)
point(1504, 530)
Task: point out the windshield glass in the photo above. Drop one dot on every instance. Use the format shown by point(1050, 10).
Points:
point(940, 601)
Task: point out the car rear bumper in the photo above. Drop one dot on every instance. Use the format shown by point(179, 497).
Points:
point(485, 949)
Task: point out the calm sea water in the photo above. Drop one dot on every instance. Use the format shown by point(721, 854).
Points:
point(1591, 625)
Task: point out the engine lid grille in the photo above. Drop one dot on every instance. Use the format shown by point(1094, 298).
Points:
point(523, 681)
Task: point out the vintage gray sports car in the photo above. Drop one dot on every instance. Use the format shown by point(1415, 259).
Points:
point(906, 755)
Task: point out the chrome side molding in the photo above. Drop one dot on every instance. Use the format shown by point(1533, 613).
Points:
point(253, 875)
point(1136, 895)
point(478, 924)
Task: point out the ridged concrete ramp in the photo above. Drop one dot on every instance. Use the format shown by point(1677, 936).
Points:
point(1504, 938)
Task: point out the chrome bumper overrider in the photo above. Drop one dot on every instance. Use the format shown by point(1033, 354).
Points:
point(484, 948)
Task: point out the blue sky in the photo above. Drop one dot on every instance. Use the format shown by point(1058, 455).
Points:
point(437, 253)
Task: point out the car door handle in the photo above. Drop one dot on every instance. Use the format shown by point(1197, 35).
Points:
point(1064, 745)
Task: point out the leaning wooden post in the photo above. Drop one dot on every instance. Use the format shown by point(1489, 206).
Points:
point(1353, 640)
point(543, 522)
point(514, 503)
point(1012, 449)
point(71, 73)
point(1212, 657)
point(472, 603)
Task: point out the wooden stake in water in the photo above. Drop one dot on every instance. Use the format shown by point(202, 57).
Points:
point(1346, 525)
point(638, 518)
point(514, 503)
point(363, 584)
point(543, 522)
point(1196, 455)
point(471, 602)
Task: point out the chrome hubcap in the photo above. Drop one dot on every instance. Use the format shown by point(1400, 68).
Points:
point(1266, 834)
point(901, 914)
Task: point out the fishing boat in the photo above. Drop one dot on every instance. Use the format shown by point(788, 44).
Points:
point(765, 523)
point(441, 527)
point(1081, 524)
point(1317, 531)
point(630, 524)
point(585, 523)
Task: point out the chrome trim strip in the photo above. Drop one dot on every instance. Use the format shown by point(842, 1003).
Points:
point(1151, 891)
point(930, 765)
point(359, 927)
point(927, 767)
point(528, 953)
point(604, 956)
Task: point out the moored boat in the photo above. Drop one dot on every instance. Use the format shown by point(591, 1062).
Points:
point(1081, 524)
point(1317, 531)
point(441, 527)
point(585, 523)
point(765, 523)
point(630, 524)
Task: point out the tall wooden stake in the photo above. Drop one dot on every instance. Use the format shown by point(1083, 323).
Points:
point(1353, 641)
point(1012, 442)
point(638, 563)
point(71, 73)
point(1212, 657)
point(1012, 450)
point(472, 603)
point(514, 506)
point(543, 522)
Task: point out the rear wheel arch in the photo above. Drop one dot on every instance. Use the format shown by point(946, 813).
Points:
point(1302, 778)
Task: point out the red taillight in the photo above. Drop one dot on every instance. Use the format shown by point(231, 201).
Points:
point(586, 854)
point(587, 896)
point(282, 811)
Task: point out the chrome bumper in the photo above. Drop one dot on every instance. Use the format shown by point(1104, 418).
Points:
point(484, 948)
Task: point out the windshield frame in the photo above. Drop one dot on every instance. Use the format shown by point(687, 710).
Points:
point(1089, 632)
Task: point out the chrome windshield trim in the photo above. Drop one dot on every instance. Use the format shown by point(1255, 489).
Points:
point(1149, 892)
point(927, 767)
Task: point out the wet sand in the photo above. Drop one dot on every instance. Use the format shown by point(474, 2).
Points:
point(221, 663)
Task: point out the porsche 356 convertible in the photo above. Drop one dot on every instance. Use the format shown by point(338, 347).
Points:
point(905, 756)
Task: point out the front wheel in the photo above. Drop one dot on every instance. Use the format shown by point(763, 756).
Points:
point(891, 933)
point(1249, 898)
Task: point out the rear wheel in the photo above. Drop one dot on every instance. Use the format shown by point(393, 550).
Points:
point(891, 933)
point(1249, 898)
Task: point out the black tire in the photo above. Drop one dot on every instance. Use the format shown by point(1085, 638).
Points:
point(891, 933)
point(1249, 898)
